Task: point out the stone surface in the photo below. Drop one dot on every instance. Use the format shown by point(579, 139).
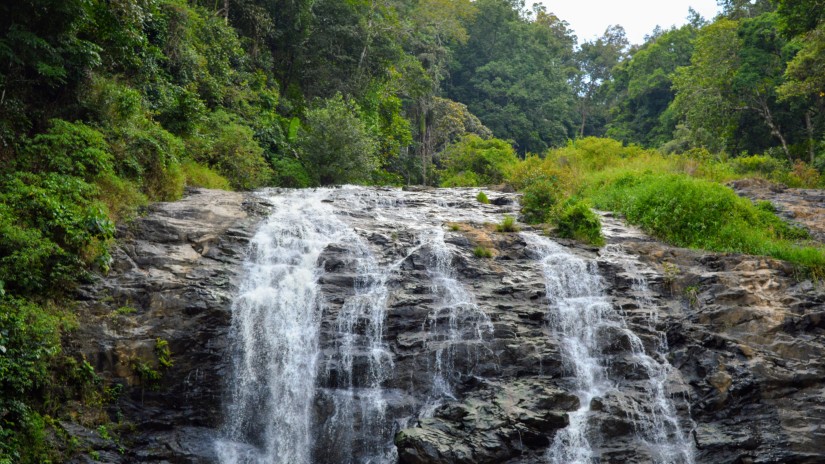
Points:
point(173, 277)
point(745, 336)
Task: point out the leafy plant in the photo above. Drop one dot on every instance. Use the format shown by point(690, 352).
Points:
point(579, 222)
point(482, 198)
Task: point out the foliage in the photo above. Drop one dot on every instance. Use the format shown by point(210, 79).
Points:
point(540, 199)
point(29, 339)
point(336, 144)
point(579, 222)
point(473, 161)
point(482, 198)
point(481, 252)
point(230, 148)
point(508, 224)
point(703, 214)
point(198, 175)
point(642, 87)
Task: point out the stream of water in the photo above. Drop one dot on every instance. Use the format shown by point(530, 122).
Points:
point(307, 371)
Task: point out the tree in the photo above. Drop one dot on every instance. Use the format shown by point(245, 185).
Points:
point(596, 61)
point(731, 85)
point(335, 143)
point(513, 74)
point(642, 87)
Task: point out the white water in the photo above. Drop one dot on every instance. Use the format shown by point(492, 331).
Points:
point(456, 326)
point(580, 314)
point(275, 330)
point(277, 321)
point(276, 387)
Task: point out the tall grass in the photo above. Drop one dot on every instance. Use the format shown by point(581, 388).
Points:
point(680, 199)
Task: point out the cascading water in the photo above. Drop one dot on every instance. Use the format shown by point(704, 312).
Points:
point(314, 379)
point(456, 326)
point(277, 324)
point(581, 316)
point(275, 329)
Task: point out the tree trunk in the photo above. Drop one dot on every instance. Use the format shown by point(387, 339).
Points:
point(811, 144)
point(776, 131)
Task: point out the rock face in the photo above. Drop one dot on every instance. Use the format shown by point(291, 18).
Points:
point(804, 207)
point(478, 375)
point(172, 280)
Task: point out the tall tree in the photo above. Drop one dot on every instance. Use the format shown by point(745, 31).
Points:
point(596, 60)
point(642, 87)
point(513, 74)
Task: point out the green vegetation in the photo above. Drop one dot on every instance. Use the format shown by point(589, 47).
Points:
point(482, 198)
point(579, 222)
point(107, 106)
point(677, 198)
point(482, 253)
point(508, 224)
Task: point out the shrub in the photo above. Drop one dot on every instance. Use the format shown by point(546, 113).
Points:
point(336, 144)
point(482, 198)
point(579, 222)
point(540, 200)
point(198, 175)
point(122, 197)
point(481, 252)
point(289, 172)
point(50, 229)
point(475, 159)
point(757, 164)
point(73, 149)
point(230, 148)
point(698, 213)
point(151, 156)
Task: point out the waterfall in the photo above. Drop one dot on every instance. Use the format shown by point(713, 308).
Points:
point(275, 331)
point(583, 318)
point(314, 376)
point(282, 373)
point(456, 326)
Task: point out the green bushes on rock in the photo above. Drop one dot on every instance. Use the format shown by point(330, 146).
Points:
point(579, 222)
point(540, 200)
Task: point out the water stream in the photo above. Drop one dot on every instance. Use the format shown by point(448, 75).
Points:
point(310, 370)
point(586, 322)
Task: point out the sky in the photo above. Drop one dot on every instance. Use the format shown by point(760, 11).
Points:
point(589, 18)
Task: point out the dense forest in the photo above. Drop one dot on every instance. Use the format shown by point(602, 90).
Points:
point(106, 105)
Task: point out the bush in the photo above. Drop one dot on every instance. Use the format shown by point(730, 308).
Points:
point(198, 175)
point(50, 229)
point(540, 200)
point(230, 148)
point(702, 214)
point(29, 341)
point(579, 222)
point(507, 225)
point(473, 159)
point(482, 198)
point(122, 197)
point(73, 149)
point(289, 173)
point(150, 155)
point(481, 252)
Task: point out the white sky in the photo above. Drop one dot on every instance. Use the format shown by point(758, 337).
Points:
point(589, 18)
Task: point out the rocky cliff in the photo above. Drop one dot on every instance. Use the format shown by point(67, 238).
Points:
point(468, 366)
